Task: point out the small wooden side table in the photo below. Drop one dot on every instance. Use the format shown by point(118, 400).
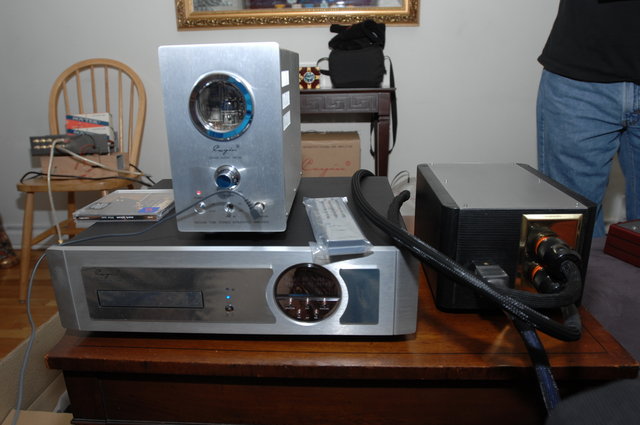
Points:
point(373, 105)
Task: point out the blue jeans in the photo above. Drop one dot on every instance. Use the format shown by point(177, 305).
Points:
point(581, 126)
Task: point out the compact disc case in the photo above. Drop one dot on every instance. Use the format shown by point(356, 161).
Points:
point(127, 205)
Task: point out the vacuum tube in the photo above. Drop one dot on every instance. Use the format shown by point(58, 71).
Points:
point(221, 107)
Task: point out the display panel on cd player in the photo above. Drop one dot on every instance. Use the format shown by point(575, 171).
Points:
point(212, 295)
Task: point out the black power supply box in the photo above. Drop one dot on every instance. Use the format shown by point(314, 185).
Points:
point(481, 216)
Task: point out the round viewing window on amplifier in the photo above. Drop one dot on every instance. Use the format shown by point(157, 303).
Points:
point(307, 292)
point(221, 107)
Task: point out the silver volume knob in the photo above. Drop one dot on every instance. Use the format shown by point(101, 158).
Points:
point(227, 177)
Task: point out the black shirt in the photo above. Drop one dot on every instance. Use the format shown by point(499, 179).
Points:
point(595, 40)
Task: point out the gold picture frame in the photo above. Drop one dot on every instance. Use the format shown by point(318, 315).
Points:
point(218, 14)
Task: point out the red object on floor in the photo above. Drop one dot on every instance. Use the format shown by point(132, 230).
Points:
point(623, 242)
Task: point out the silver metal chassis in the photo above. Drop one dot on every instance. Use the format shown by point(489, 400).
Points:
point(254, 308)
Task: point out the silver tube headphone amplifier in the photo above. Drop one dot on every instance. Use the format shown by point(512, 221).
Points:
point(233, 124)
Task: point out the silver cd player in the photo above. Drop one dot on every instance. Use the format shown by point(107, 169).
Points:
point(168, 281)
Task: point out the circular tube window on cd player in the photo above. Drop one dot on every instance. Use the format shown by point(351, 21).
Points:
point(307, 292)
point(220, 106)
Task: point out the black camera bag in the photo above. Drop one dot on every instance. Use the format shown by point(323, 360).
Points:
point(362, 68)
point(356, 59)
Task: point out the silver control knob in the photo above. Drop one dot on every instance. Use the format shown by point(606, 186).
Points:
point(200, 208)
point(227, 177)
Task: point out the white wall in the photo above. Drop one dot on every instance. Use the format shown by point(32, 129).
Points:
point(466, 76)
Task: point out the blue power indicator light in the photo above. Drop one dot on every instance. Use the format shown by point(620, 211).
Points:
point(228, 297)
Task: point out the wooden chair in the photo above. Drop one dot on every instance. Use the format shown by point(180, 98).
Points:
point(89, 86)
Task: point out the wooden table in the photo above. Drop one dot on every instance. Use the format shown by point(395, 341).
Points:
point(457, 368)
point(372, 105)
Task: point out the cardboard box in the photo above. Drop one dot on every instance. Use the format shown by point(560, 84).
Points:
point(68, 165)
point(330, 154)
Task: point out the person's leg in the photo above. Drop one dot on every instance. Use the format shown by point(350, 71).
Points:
point(629, 153)
point(579, 127)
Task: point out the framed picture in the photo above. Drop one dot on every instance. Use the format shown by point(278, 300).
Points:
point(213, 14)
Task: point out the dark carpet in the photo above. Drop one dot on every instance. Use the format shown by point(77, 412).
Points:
point(612, 295)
